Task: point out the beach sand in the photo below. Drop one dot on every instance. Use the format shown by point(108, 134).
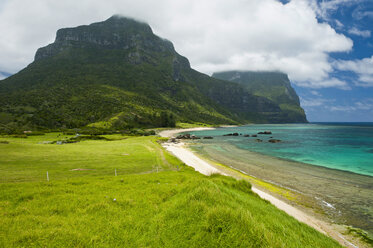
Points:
point(181, 151)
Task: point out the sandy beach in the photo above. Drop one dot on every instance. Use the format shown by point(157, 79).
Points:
point(181, 151)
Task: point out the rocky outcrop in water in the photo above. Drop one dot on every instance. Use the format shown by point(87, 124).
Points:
point(265, 132)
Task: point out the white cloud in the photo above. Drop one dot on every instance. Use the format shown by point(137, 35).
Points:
point(363, 68)
point(315, 93)
point(342, 108)
point(363, 33)
point(364, 105)
point(326, 83)
point(368, 14)
point(325, 7)
point(314, 102)
point(214, 35)
point(366, 78)
point(322, 104)
point(339, 24)
point(361, 12)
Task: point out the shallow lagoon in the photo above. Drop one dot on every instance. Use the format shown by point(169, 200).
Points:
point(340, 186)
point(343, 146)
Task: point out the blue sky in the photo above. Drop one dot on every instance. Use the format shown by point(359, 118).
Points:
point(325, 46)
point(355, 20)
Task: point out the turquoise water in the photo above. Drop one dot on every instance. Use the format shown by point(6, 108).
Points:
point(342, 146)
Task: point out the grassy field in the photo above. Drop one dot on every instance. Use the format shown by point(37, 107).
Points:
point(29, 159)
point(154, 201)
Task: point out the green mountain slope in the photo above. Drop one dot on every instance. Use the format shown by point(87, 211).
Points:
point(118, 74)
point(272, 85)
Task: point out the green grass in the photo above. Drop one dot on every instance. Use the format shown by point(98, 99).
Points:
point(276, 189)
point(360, 234)
point(168, 208)
point(29, 159)
point(192, 125)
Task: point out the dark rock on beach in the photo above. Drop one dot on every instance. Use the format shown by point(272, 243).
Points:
point(183, 136)
point(265, 132)
point(187, 136)
point(231, 134)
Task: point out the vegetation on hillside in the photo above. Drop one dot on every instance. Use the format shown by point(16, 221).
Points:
point(117, 74)
point(154, 201)
point(274, 86)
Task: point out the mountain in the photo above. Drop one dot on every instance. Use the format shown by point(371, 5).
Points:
point(272, 85)
point(119, 74)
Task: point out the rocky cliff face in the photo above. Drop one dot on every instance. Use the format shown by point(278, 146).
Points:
point(115, 33)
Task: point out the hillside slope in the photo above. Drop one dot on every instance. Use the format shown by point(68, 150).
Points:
point(159, 202)
point(118, 74)
point(272, 85)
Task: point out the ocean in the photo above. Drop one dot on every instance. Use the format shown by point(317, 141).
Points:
point(341, 146)
point(329, 166)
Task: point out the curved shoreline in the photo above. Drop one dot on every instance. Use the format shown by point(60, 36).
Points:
point(206, 168)
point(336, 147)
